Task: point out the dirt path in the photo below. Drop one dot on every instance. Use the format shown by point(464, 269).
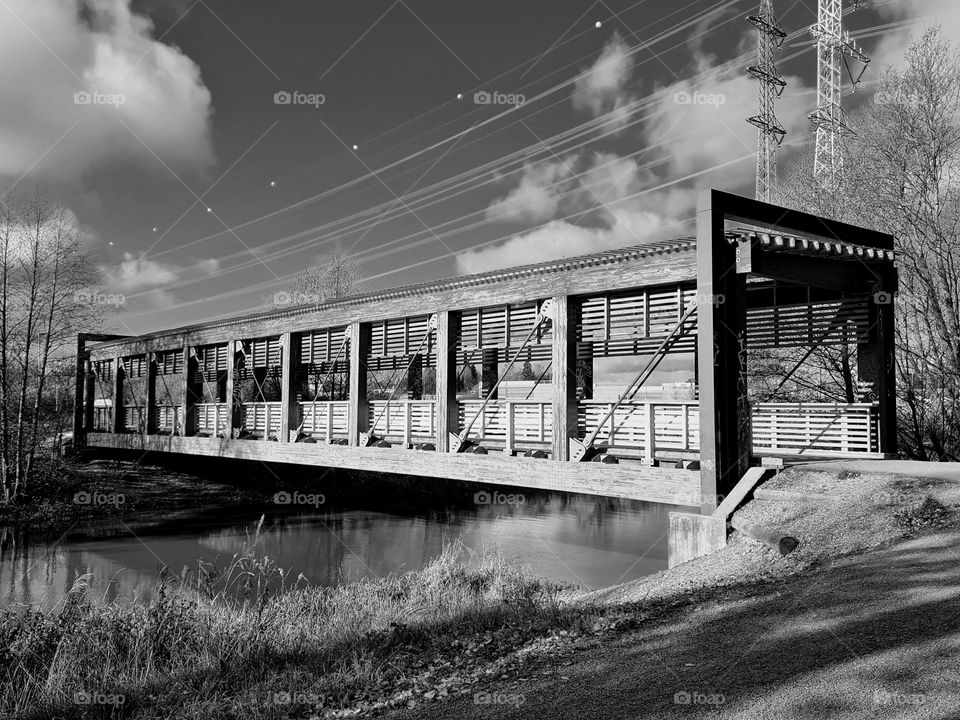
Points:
point(875, 635)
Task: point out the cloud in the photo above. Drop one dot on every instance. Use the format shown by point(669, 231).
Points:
point(892, 46)
point(602, 87)
point(559, 239)
point(537, 195)
point(73, 75)
point(140, 275)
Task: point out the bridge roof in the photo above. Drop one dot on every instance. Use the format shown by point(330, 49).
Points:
point(667, 261)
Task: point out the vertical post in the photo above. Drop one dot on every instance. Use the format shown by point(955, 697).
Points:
point(188, 399)
point(721, 350)
point(289, 359)
point(876, 366)
point(650, 432)
point(358, 421)
point(119, 412)
point(79, 409)
point(150, 422)
point(231, 382)
point(564, 385)
point(508, 441)
point(89, 394)
point(448, 329)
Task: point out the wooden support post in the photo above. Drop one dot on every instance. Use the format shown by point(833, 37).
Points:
point(150, 421)
point(89, 395)
point(876, 367)
point(448, 329)
point(289, 406)
point(721, 345)
point(564, 386)
point(119, 420)
point(508, 440)
point(79, 408)
point(190, 394)
point(358, 420)
point(650, 432)
point(232, 410)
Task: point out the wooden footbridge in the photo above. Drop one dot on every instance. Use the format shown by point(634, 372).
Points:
point(304, 384)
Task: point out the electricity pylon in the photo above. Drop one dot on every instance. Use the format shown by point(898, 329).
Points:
point(834, 46)
point(772, 84)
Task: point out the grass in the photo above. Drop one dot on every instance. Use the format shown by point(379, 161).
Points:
point(250, 642)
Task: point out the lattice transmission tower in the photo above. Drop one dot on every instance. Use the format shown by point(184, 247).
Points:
point(835, 47)
point(771, 132)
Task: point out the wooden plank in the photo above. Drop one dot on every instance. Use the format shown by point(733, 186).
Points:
point(564, 380)
point(663, 485)
point(753, 477)
point(289, 408)
point(117, 419)
point(231, 380)
point(150, 422)
point(360, 339)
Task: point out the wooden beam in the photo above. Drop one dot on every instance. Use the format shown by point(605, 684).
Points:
point(564, 385)
point(150, 401)
point(187, 398)
point(83, 362)
point(876, 367)
point(289, 407)
point(651, 484)
point(232, 409)
point(448, 330)
point(118, 420)
point(812, 271)
point(359, 420)
point(90, 393)
point(774, 217)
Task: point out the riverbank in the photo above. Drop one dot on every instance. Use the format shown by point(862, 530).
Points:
point(87, 490)
point(451, 640)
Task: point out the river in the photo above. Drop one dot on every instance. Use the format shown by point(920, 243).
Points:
point(592, 541)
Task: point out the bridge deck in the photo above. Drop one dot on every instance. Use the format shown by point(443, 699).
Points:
point(634, 482)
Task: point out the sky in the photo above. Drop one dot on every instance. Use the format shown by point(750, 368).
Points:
point(210, 150)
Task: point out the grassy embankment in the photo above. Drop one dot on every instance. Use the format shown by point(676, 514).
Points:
point(196, 652)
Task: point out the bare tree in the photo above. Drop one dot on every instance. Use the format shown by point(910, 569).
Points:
point(44, 301)
point(331, 276)
point(901, 173)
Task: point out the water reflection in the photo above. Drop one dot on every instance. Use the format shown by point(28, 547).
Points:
point(587, 540)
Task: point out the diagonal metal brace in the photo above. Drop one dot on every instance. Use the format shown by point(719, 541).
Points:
point(458, 442)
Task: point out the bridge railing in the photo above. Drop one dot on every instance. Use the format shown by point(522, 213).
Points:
point(261, 418)
point(510, 424)
point(643, 428)
point(211, 418)
point(405, 421)
point(325, 419)
point(815, 428)
point(101, 419)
